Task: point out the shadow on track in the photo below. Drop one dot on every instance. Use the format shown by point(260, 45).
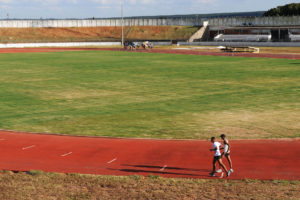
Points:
point(161, 170)
point(166, 168)
point(153, 172)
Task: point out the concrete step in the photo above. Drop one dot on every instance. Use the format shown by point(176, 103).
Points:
point(200, 33)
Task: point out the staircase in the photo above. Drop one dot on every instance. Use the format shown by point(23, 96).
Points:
point(200, 33)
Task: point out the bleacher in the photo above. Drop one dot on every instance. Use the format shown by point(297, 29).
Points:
point(242, 38)
point(294, 38)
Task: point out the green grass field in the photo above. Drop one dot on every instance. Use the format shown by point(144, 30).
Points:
point(149, 95)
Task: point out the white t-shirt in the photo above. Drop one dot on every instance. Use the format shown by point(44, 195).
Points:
point(216, 146)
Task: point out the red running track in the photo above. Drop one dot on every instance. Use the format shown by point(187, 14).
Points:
point(252, 159)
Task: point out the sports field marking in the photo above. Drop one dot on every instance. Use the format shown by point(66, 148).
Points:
point(29, 147)
point(162, 169)
point(64, 155)
point(113, 160)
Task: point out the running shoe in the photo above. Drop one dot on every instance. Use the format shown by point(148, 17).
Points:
point(212, 175)
point(231, 170)
point(219, 171)
point(228, 173)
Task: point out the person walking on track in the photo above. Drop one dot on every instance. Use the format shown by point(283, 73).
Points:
point(217, 157)
point(226, 152)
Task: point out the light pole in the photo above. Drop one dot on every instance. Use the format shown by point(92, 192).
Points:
point(122, 21)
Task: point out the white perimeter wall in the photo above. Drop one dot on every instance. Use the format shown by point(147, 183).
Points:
point(61, 44)
point(99, 23)
point(176, 21)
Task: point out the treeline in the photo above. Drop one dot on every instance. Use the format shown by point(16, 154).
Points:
point(292, 9)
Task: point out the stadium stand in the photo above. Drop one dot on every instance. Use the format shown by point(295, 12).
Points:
point(242, 38)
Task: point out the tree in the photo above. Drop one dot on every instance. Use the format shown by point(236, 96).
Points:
point(292, 9)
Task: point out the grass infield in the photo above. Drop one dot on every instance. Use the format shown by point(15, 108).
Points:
point(144, 95)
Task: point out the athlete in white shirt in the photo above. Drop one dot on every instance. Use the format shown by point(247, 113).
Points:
point(217, 157)
point(226, 150)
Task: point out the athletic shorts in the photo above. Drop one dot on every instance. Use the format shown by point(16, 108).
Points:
point(217, 157)
point(227, 154)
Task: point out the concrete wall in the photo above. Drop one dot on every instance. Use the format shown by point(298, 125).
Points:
point(255, 44)
point(99, 22)
point(175, 21)
point(61, 44)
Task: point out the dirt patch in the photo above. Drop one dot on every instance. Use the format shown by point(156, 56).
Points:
point(243, 132)
point(46, 186)
point(251, 125)
point(93, 34)
point(77, 94)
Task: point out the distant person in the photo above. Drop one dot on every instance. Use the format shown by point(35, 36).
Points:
point(132, 45)
point(227, 149)
point(126, 45)
point(217, 157)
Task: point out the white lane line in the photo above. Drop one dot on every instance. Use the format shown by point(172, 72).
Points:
point(64, 155)
point(30, 147)
point(113, 160)
point(162, 169)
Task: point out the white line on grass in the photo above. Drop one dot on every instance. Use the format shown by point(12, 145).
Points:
point(30, 147)
point(64, 155)
point(112, 161)
point(162, 169)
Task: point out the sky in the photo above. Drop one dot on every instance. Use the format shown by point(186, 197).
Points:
point(112, 8)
